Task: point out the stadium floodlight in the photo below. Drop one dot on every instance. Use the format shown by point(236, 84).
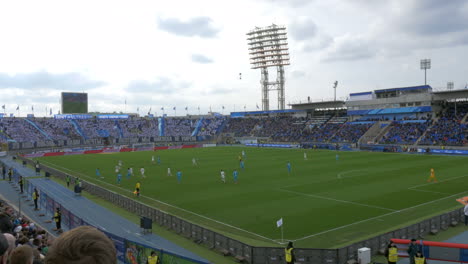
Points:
point(425, 65)
point(450, 86)
point(268, 47)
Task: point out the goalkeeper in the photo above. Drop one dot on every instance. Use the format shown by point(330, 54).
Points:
point(432, 176)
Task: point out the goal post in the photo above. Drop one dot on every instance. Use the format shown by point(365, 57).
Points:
point(143, 146)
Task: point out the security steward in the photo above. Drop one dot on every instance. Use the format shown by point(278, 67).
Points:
point(21, 183)
point(58, 219)
point(419, 258)
point(289, 253)
point(35, 197)
point(392, 253)
point(153, 259)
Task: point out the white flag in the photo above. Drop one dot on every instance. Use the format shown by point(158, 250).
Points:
point(279, 222)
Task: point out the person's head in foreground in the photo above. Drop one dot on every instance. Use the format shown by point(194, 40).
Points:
point(82, 245)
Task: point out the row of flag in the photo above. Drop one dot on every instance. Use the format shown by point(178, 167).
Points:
point(186, 108)
point(32, 108)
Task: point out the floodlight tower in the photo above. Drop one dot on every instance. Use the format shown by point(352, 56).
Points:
point(425, 65)
point(268, 47)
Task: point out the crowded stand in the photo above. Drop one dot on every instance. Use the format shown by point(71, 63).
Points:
point(179, 126)
point(18, 231)
point(57, 129)
point(19, 130)
point(210, 126)
point(139, 127)
point(241, 126)
point(447, 128)
point(405, 133)
point(351, 132)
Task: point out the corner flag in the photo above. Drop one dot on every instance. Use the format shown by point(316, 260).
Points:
point(279, 223)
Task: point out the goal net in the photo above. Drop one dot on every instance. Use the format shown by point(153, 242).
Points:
point(143, 146)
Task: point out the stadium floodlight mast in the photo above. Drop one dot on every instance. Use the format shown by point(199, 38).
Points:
point(268, 47)
point(450, 86)
point(425, 65)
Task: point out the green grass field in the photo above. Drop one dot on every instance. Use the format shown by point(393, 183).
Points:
point(324, 203)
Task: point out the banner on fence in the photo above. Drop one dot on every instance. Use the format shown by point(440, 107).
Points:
point(137, 253)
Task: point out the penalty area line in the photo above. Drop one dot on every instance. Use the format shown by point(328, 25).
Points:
point(170, 205)
point(377, 217)
point(338, 200)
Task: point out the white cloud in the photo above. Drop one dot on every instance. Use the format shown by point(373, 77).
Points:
point(150, 53)
point(200, 58)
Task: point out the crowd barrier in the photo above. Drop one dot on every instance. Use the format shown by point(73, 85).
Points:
point(260, 255)
point(453, 252)
point(128, 251)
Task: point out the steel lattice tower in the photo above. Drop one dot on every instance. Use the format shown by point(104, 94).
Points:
point(268, 47)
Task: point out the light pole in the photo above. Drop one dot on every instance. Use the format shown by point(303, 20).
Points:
point(425, 65)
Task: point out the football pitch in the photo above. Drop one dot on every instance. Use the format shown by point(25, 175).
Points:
point(325, 202)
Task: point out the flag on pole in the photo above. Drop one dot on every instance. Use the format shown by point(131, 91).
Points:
point(17, 108)
point(50, 113)
point(149, 111)
point(174, 108)
point(162, 108)
point(258, 107)
point(279, 223)
point(3, 107)
point(138, 109)
point(32, 107)
point(186, 108)
point(223, 107)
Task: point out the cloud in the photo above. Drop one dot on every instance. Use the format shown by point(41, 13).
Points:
point(218, 91)
point(291, 3)
point(298, 74)
point(350, 47)
point(434, 17)
point(307, 36)
point(160, 86)
point(199, 58)
point(60, 81)
point(303, 29)
point(195, 27)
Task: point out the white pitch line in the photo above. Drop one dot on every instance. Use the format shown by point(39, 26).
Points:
point(338, 200)
point(380, 216)
point(328, 180)
point(346, 172)
point(430, 183)
point(170, 205)
point(417, 190)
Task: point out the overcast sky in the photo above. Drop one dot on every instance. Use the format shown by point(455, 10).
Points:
point(190, 53)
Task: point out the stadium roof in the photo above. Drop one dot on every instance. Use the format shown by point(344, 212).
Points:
point(420, 87)
point(318, 105)
point(450, 94)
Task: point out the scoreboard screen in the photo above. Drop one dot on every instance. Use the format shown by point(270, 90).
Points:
point(74, 103)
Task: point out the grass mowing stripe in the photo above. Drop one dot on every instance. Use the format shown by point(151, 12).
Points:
point(399, 211)
point(337, 200)
point(178, 208)
point(254, 204)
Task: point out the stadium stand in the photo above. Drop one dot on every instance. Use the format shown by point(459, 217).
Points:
point(20, 231)
point(405, 132)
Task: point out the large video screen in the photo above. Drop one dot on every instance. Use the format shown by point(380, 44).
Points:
point(74, 103)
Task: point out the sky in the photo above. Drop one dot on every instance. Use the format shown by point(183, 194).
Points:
point(130, 55)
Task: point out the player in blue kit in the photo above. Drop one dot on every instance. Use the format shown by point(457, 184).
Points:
point(235, 174)
point(129, 173)
point(119, 178)
point(288, 165)
point(179, 176)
